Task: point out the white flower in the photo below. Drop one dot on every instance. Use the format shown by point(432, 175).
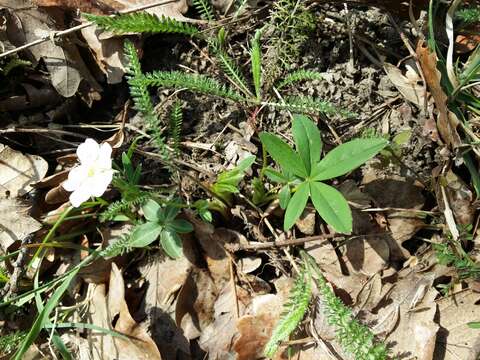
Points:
point(93, 175)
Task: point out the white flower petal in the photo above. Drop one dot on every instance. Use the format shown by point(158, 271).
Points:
point(88, 152)
point(76, 176)
point(78, 197)
point(104, 160)
point(100, 183)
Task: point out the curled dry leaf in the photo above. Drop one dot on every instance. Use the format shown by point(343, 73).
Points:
point(225, 323)
point(406, 316)
point(407, 84)
point(447, 122)
point(104, 308)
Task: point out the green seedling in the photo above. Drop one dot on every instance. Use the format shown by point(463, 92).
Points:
point(161, 222)
point(303, 171)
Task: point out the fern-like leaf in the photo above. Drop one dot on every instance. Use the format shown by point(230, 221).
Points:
point(354, 337)
point(204, 8)
point(294, 311)
point(118, 246)
point(141, 97)
point(309, 105)
point(232, 71)
point(176, 120)
point(256, 59)
point(193, 82)
point(122, 206)
point(299, 75)
point(141, 22)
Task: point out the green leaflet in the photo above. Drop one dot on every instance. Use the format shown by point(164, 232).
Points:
point(283, 154)
point(296, 205)
point(347, 157)
point(145, 234)
point(307, 139)
point(171, 243)
point(331, 206)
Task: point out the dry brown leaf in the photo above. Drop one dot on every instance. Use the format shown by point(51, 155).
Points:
point(446, 120)
point(87, 6)
point(460, 198)
point(256, 327)
point(406, 316)
point(408, 85)
point(64, 74)
point(455, 339)
point(15, 223)
point(108, 49)
point(164, 277)
point(104, 309)
point(368, 254)
point(402, 224)
point(19, 171)
point(306, 221)
point(194, 308)
point(225, 323)
point(347, 284)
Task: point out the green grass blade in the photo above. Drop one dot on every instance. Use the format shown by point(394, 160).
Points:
point(43, 316)
point(256, 59)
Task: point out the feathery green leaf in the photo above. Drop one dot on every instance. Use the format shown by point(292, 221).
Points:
point(193, 82)
point(141, 22)
point(256, 59)
point(299, 75)
point(204, 8)
point(294, 311)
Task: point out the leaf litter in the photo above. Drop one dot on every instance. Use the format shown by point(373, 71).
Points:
point(406, 268)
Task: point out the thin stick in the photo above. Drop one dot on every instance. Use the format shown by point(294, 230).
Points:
point(56, 34)
point(278, 243)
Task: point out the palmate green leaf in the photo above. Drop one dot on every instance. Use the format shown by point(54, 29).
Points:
point(171, 243)
point(331, 206)
point(296, 205)
point(283, 154)
point(307, 139)
point(347, 157)
point(143, 235)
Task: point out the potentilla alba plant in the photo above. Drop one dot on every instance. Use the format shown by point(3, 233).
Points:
point(94, 173)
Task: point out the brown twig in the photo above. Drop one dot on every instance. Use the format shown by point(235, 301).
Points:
point(280, 243)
